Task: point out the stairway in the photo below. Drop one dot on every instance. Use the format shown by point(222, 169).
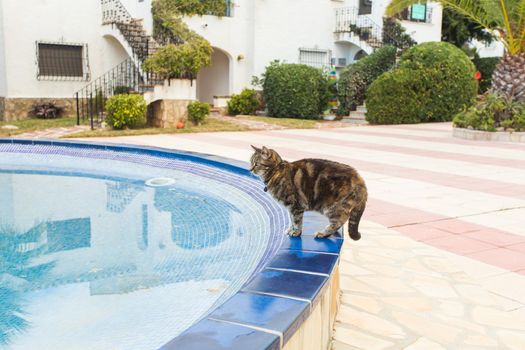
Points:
point(127, 76)
point(348, 21)
point(357, 117)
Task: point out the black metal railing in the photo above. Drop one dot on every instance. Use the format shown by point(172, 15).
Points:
point(127, 77)
point(348, 20)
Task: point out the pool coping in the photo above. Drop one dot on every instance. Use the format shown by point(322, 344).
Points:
point(275, 302)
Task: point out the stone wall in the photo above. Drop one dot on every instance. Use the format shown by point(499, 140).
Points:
point(19, 108)
point(166, 113)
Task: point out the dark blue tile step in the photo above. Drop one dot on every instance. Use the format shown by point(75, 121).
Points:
point(269, 312)
point(215, 335)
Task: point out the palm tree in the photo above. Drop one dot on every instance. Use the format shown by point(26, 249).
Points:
point(506, 19)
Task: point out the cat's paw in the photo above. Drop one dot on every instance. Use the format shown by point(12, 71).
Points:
point(322, 235)
point(292, 232)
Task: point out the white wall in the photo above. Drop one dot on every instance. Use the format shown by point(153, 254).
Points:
point(215, 79)
point(3, 82)
point(496, 49)
point(76, 21)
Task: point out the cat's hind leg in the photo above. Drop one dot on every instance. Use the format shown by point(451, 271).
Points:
point(337, 219)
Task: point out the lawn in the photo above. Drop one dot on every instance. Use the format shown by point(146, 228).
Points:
point(291, 123)
point(209, 125)
point(32, 124)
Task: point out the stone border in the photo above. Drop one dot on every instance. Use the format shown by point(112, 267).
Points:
point(496, 136)
point(290, 304)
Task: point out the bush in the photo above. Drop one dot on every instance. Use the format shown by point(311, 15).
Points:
point(395, 34)
point(356, 78)
point(125, 110)
point(434, 82)
point(486, 66)
point(491, 112)
point(247, 102)
point(198, 111)
point(295, 90)
point(121, 89)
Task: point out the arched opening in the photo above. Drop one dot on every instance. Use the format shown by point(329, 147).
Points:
point(360, 55)
point(214, 80)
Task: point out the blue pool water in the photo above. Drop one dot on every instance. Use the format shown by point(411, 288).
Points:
point(97, 254)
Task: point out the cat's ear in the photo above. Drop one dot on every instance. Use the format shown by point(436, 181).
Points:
point(265, 152)
point(255, 148)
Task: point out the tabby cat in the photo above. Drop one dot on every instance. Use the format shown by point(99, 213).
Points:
point(333, 189)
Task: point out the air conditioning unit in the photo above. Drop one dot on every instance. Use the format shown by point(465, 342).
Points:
point(338, 62)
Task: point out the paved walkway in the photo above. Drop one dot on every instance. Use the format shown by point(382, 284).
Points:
point(442, 261)
point(53, 133)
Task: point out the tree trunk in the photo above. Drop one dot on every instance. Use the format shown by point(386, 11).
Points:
point(509, 76)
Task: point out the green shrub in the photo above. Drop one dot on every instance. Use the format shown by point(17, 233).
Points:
point(486, 66)
point(356, 78)
point(198, 111)
point(493, 111)
point(247, 102)
point(395, 34)
point(433, 82)
point(121, 89)
point(295, 90)
point(125, 111)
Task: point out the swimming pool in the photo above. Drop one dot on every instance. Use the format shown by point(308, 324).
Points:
point(120, 247)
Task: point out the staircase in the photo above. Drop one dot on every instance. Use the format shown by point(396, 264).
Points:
point(128, 76)
point(360, 29)
point(357, 117)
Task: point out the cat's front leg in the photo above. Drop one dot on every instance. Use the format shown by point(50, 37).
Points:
point(297, 217)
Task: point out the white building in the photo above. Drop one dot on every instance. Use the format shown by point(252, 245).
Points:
point(50, 49)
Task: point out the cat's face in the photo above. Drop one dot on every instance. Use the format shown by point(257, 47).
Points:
point(263, 159)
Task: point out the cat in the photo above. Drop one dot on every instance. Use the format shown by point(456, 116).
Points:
point(335, 190)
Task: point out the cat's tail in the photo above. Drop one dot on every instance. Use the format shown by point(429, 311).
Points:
point(360, 198)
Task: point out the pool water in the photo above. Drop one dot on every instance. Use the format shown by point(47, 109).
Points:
point(110, 250)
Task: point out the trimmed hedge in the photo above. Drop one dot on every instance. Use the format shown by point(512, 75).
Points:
point(356, 78)
point(125, 111)
point(486, 66)
point(247, 102)
point(434, 81)
point(295, 90)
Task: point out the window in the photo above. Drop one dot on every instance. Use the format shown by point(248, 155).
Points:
point(315, 57)
point(417, 13)
point(57, 61)
point(365, 7)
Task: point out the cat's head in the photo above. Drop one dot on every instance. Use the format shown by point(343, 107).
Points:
point(263, 160)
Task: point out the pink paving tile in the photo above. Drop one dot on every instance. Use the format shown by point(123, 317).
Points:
point(459, 245)
point(454, 226)
point(495, 237)
point(422, 232)
point(518, 247)
point(501, 257)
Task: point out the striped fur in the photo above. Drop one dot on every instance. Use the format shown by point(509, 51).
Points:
point(333, 189)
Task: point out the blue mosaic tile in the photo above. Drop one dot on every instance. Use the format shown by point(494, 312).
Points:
point(304, 261)
point(287, 283)
point(269, 312)
point(310, 243)
point(213, 335)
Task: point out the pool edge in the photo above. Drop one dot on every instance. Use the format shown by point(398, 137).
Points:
point(312, 293)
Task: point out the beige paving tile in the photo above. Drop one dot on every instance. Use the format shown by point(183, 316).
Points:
point(364, 321)
point(422, 325)
point(424, 344)
point(497, 318)
point(513, 340)
point(360, 340)
point(368, 304)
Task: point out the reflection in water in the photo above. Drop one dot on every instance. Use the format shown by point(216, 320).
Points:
point(16, 274)
point(198, 222)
